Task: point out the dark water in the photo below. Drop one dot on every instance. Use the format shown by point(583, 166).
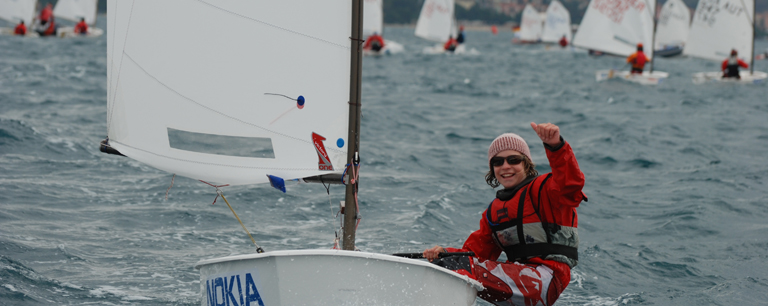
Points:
point(676, 177)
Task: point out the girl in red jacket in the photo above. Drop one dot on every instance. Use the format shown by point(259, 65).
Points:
point(533, 220)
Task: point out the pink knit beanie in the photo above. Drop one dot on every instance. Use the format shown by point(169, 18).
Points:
point(508, 141)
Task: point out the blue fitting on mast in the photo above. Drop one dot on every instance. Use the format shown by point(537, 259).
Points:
point(277, 182)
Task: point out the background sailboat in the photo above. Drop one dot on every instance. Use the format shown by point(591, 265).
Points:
point(557, 24)
point(14, 11)
point(373, 22)
point(531, 26)
point(270, 97)
point(616, 27)
point(437, 23)
point(672, 28)
point(719, 26)
point(74, 10)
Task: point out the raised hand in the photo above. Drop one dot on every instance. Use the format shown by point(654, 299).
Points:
point(548, 132)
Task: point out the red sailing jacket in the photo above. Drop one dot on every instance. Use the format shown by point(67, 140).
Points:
point(638, 59)
point(20, 29)
point(451, 43)
point(371, 39)
point(738, 61)
point(81, 27)
point(559, 197)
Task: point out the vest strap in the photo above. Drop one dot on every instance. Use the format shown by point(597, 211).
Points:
point(524, 251)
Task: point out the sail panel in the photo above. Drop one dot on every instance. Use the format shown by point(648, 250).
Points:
point(373, 17)
point(257, 74)
point(74, 10)
point(557, 24)
point(15, 11)
point(530, 24)
point(436, 21)
point(719, 26)
point(617, 26)
point(673, 24)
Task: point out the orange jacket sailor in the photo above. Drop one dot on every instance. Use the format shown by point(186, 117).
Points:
point(637, 59)
point(533, 220)
point(451, 44)
point(81, 27)
point(20, 29)
point(374, 42)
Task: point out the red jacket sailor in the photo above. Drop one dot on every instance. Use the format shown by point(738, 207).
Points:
point(533, 220)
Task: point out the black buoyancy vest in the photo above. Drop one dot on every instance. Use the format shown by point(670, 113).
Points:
point(521, 241)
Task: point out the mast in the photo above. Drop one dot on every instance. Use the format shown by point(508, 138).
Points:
point(752, 58)
point(350, 210)
point(653, 39)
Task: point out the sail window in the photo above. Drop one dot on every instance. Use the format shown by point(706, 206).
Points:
point(257, 147)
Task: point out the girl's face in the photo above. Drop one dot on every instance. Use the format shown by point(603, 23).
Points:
point(508, 175)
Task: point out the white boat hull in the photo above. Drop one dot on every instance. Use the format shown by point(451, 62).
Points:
point(67, 32)
point(11, 31)
point(746, 78)
point(331, 277)
point(390, 47)
point(646, 78)
point(460, 49)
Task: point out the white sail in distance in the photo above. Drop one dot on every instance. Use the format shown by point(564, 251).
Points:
point(530, 24)
point(373, 17)
point(557, 24)
point(15, 11)
point(673, 24)
point(436, 21)
point(74, 10)
point(617, 26)
point(209, 103)
point(719, 26)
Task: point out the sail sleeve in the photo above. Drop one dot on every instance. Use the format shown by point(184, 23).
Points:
point(249, 89)
point(719, 26)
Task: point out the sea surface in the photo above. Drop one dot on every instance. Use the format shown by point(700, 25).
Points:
point(676, 176)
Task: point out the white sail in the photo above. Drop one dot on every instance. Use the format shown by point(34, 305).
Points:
point(557, 24)
point(373, 17)
point(213, 103)
point(530, 25)
point(719, 26)
point(15, 11)
point(617, 26)
point(672, 27)
point(436, 21)
point(74, 10)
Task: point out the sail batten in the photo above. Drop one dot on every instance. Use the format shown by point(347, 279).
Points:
point(166, 74)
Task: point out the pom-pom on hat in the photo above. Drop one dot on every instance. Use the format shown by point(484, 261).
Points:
point(508, 141)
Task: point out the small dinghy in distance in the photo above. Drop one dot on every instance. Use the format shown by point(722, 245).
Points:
point(718, 27)
point(672, 29)
point(220, 107)
point(74, 10)
point(436, 23)
point(373, 22)
point(15, 11)
point(603, 31)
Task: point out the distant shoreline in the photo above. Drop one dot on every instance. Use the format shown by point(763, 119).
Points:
point(467, 26)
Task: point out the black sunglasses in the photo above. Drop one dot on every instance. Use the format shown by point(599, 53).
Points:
point(498, 161)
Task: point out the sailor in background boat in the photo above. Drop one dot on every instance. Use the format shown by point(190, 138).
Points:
point(460, 36)
point(533, 220)
point(731, 65)
point(45, 24)
point(374, 42)
point(81, 27)
point(638, 60)
point(563, 42)
point(451, 44)
point(20, 29)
